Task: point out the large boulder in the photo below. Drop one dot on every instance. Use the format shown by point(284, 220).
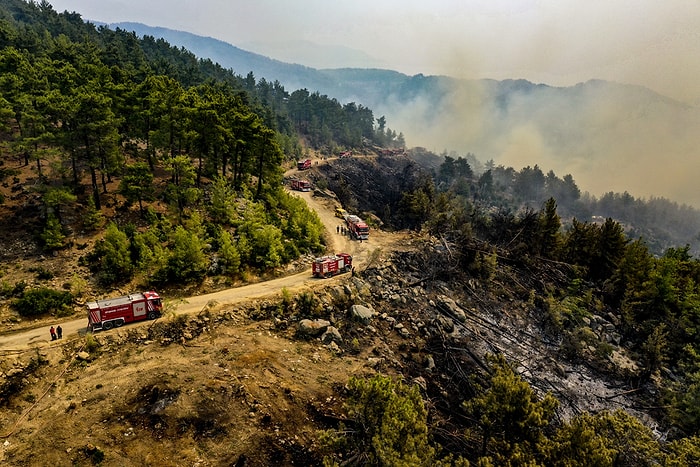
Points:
point(313, 327)
point(449, 306)
point(331, 335)
point(362, 314)
point(339, 292)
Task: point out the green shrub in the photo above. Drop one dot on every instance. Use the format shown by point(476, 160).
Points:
point(42, 273)
point(307, 304)
point(387, 425)
point(91, 344)
point(93, 218)
point(111, 256)
point(18, 289)
point(37, 302)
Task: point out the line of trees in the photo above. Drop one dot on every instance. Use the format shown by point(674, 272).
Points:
point(92, 109)
point(387, 423)
point(662, 223)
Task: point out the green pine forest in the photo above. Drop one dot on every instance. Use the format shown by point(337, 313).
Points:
point(87, 106)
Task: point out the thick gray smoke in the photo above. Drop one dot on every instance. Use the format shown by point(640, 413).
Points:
point(610, 137)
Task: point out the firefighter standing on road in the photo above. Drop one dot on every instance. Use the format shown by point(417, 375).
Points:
point(59, 331)
point(53, 333)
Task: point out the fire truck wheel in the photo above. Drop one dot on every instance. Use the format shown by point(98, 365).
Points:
point(152, 315)
point(119, 323)
point(108, 325)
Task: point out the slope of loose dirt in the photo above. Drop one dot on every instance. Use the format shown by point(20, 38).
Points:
point(238, 391)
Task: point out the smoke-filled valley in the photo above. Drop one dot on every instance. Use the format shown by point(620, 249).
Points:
point(608, 136)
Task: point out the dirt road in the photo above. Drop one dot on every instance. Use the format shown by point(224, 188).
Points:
point(39, 337)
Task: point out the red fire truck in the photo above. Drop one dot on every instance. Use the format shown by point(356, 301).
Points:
point(304, 165)
point(115, 312)
point(357, 227)
point(301, 185)
point(327, 266)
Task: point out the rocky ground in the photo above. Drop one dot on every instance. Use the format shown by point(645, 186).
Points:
point(251, 383)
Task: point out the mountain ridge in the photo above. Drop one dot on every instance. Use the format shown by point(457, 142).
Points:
point(608, 135)
point(231, 56)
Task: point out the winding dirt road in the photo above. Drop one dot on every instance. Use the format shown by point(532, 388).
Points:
point(324, 207)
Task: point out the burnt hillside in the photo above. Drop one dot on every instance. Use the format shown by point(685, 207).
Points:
point(376, 185)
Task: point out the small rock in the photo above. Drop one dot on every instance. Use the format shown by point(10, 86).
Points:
point(429, 363)
point(331, 335)
point(374, 361)
point(421, 383)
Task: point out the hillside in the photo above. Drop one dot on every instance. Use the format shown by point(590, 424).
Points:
point(488, 320)
point(249, 383)
point(609, 136)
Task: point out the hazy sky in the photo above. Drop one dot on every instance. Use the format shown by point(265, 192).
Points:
point(557, 42)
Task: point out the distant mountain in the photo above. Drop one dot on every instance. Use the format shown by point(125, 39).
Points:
point(313, 54)
point(609, 136)
point(240, 61)
point(366, 86)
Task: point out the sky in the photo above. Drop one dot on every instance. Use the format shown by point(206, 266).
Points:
point(557, 42)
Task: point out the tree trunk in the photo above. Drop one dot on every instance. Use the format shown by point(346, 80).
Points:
point(260, 168)
point(200, 167)
point(104, 181)
point(95, 188)
point(74, 164)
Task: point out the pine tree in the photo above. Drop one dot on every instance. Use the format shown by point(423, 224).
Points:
point(389, 424)
point(114, 256)
point(229, 255)
point(509, 415)
point(52, 234)
point(93, 218)
point(550, 223)
point(187, 261)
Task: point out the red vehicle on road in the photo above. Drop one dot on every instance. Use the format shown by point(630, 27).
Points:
point(301, 185)
point(327, 266)
point(115, 312)
point(304, 165)
point(357, 227)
